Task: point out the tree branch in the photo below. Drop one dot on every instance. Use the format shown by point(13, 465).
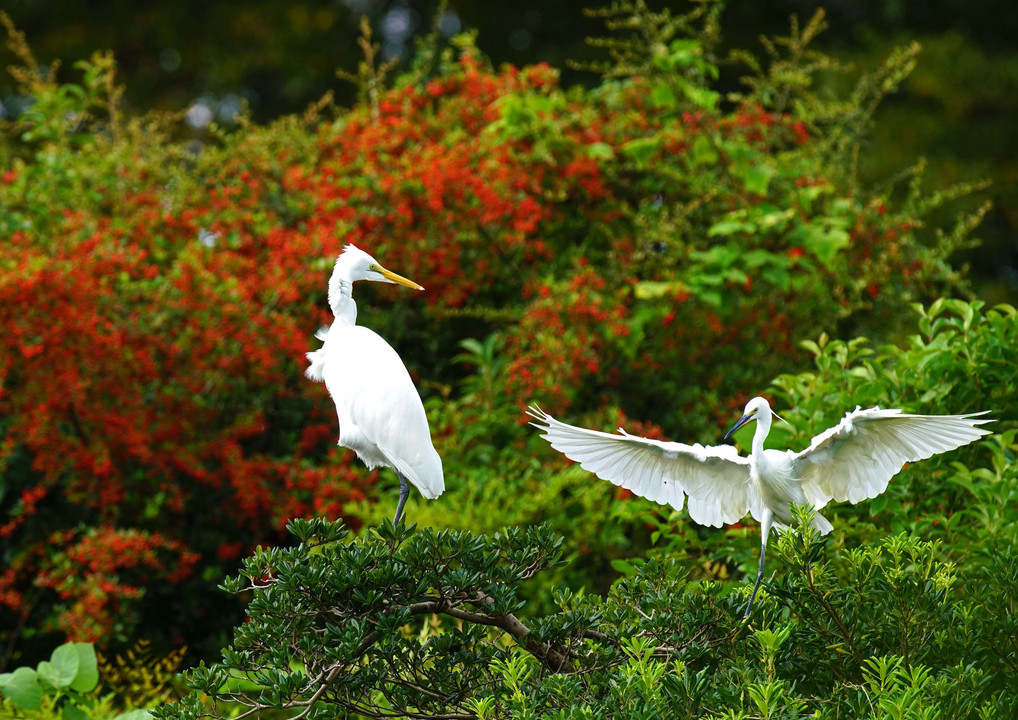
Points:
point(551, 658)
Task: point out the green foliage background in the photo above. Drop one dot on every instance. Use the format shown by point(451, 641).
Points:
point(649, 251)
point(955, 110)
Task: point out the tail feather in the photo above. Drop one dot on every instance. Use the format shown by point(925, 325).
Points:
point(427, 475)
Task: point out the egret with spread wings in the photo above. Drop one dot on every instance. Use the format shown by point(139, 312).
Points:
point(852, 461)
point(381, 417)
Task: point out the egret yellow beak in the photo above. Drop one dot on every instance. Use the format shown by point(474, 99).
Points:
point(398, 279)
point(742, 421)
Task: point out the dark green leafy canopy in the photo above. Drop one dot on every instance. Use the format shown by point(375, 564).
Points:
point(335, 620)
point(420, 624)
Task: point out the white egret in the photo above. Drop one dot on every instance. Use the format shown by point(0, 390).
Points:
point(852, 461)
point(381, 417)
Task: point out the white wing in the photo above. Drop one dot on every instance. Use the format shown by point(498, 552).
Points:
point(856, 459)
point(715, 478)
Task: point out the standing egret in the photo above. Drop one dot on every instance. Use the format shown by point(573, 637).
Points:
point(852, 461)
point(381, 417)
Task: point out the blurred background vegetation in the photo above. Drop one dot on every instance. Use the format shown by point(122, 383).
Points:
point(647, 246)
point(211, 57)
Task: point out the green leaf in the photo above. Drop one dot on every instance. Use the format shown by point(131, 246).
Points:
point(650, 289)
point(702, 97)
point(721, 255)
point(760, 258)
point(728, 227)
point(72, 712)
point(967, 313)
point(600, 151)
point(703, 151)
point(758, 178)
point(623, 566)
point(663, 96)
point(824, 242)
point(711, 297)
point(685, 48)
point(22, 688)
point(134, 715)
point(62, 667)
point(777, 276)
point(772, 218)
point(812, 192)
point(642, 149)
point(88, 671)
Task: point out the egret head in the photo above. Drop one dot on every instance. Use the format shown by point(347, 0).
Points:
point(756, 409)
point(355, 264)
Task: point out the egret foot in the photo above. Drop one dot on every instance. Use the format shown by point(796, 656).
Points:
point(404, 493)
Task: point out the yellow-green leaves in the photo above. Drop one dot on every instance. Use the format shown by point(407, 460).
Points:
point(70, 671)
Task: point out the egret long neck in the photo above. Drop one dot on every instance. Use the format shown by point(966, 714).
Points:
point(341, 294)
point(763, 426)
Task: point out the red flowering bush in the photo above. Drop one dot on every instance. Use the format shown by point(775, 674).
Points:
point(97, 577)
point(558, 345)
point(636, 244)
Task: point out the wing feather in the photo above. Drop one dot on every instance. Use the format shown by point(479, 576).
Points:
point(716, 479)
point(856, 459)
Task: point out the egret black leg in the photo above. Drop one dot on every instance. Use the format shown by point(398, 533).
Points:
point(765, 530)
point(404, 493)
point(759, 577)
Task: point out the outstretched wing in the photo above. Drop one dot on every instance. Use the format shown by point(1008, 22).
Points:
point(716, 479)
point(856, 459)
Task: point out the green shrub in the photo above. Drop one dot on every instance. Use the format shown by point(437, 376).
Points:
point(401, 623)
